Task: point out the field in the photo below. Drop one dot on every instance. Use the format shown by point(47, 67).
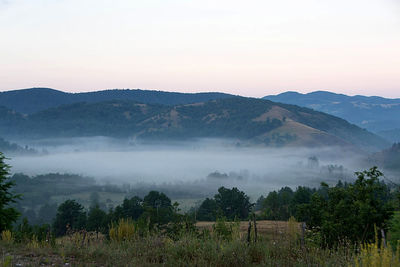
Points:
point(277, 245)
point(271, 229)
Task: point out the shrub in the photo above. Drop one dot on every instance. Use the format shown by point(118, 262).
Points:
point(226, 230)
point(7, 236)
point(123, 231)
point(375, 254)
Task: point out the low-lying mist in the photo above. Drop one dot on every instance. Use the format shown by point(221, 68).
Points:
point(197, 167)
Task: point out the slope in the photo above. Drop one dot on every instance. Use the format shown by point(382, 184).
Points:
point(373, 113)
point(28, 101)
point(245, 119)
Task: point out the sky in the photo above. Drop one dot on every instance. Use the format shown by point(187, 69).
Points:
point(251, 48)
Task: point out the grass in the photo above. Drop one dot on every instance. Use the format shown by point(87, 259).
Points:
point(274, 230)
point(187, 251)
point(204, 248)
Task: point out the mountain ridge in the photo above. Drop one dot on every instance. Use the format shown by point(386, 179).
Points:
point(377, 114)
point(31, 100)
point(245, 119)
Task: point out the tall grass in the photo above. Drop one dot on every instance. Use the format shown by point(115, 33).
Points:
point(7, 236)
point(377, 254)
point(124, 230)
point(223, 246)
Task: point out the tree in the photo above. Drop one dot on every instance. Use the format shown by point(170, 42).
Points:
point(158, 207)
point(350, 212)
point(156, 199)
point(69, 214)
point(278, 205)
point(8, 215)
point(97, 219)
point(207, 210)
point(233, 203)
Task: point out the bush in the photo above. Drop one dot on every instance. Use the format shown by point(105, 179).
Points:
point(7, 236)
point(226, 230)
point(123, 231)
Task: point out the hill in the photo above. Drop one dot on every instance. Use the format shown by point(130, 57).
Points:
point(28, 101)
point(389, 158)
point(374, 113)
point(244, 119)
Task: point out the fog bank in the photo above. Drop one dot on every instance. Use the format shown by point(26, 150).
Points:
point(209, 163)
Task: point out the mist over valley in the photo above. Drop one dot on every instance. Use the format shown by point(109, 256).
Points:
point(203, 164)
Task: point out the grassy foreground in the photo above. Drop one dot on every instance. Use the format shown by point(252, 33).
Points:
point(225, 244)
point(212, 244)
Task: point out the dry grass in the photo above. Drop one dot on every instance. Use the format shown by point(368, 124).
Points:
point(267, 228)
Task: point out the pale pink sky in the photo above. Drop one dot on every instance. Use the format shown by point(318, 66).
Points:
point(251, 48)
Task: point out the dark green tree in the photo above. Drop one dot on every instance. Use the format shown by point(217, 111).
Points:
point(278, 205)
point(351, 212)
point(8, 214)
point(271, 206)
point(70, 215)
point(97, 220)
point(130, 208)
point(158, 208)
point(207, 210)
point(233, 203)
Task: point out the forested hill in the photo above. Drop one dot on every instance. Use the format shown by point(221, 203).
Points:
point(243, 119)
point(377, 114)
point(28, 101)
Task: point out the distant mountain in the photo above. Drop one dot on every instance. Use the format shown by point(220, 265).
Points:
point(244, 119)
point(28, 101)
point(374, 113)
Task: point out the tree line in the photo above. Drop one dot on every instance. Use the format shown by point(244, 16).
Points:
point(346, 211)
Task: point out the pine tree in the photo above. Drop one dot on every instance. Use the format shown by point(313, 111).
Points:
point(8, 214)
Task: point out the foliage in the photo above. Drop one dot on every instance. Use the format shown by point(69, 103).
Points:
point(232, 117)
point(229, 203)
point(24, 232)
point(394, 232)
point(377, 254)
point(70, 215)
point(233, 203)
point(207, 210)
point(282, 204)
point(158, 208)
point(7, 236)
point(37, 99)
point(187, 249)
point(276, 205)
point(97, 220)
point(226, 230)
point(345, 211)
point(124, 230)
point(8, 214)
point(351, 212)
